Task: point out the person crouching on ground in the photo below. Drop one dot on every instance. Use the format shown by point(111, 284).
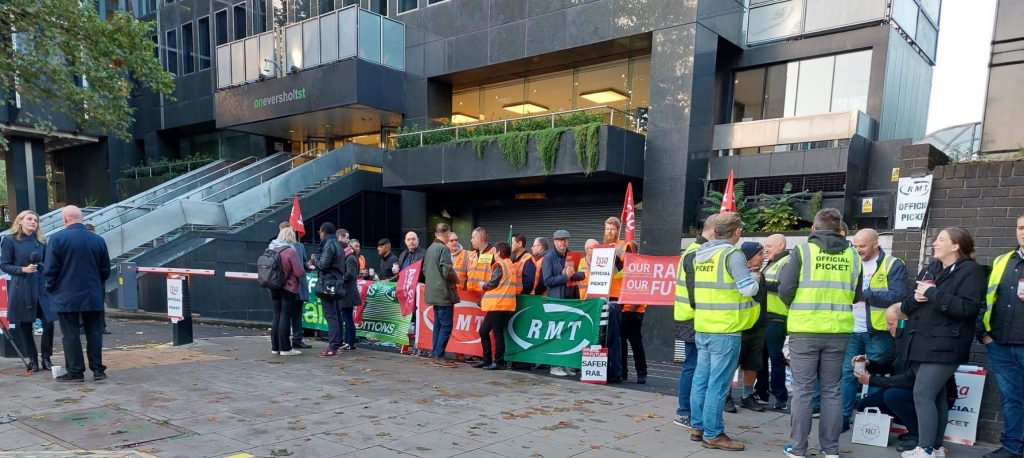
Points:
point(285, 299)
point(499, 303)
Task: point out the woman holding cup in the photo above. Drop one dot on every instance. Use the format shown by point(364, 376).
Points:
point(21, 257)
point(940, 330)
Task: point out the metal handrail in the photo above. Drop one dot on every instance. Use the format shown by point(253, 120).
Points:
point(187, 164)
point(314, 153)
point(553, 116)
point(173, 190)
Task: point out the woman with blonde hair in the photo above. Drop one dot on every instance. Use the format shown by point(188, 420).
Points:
point(286, 298)
point(21, 257)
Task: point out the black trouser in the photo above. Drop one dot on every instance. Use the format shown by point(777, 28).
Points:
point(286, 305)
point(27, 342)
point(72, 341)
point(930, 401)
point(297, 326)
point(632, 335)
point(494, 322)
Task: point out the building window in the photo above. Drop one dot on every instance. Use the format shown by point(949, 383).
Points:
point(326, 6)
point(378, 6)
point(813, 86)
point(188, 64)
point(623, 85)
point(220, 20)
point(259, 16)
point(301, 10)
point(431, 2)
point(171, 54)
point(406, 6)
point(239, 14)
point(156, 46)
point(204, 42)
point(344, 3)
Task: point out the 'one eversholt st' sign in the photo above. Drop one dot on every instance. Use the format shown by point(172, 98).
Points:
point(912, 201)
point(284, 97)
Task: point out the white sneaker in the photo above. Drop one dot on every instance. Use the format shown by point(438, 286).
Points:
point(292, 352)
point(558, 371)
point(275, 352)
point(917, 453)
point(939, 452)
point(832, 456)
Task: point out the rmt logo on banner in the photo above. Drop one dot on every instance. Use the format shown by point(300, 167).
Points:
point(569, 326)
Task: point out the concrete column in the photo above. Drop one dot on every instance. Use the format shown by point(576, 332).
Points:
point(26, 175)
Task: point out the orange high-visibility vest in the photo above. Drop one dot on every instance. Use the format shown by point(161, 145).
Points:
point(460, 262)
point(362, 262)
point(585, 268)
point(520, 265)
point(480, 269)
point(634, 308)
point(538, 275)
point(616, 286)
point(503, 298)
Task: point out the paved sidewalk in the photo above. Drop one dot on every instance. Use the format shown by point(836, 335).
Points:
point(228, 396)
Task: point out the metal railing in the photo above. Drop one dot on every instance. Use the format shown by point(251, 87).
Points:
point(258, 179)
point(609, 115)
point(103, 222)
point(53, 222)
point(187, 164)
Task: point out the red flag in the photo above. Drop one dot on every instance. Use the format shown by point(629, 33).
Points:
point(364, 288)
point(295, 219)
point(728, 197)
point(405, 290)
point(628, 215)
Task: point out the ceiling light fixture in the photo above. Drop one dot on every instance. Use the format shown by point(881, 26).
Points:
point(604, 96)
point(459, 118)
point(525, 108)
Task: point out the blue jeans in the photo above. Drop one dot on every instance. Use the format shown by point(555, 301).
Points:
point(350, 326)
point(717, 358)
point(686, 378)
point(873, 344)
point(332, 314)
point(1008, 366)
point(443, 317)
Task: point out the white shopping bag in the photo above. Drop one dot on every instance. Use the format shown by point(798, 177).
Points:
point(871, 427)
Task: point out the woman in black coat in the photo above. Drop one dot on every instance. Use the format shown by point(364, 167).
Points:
point(940, 330)
point(21, 257)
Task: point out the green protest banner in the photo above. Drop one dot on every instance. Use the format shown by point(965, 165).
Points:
point(382, 316)
point(312, 310)
point(552, 331)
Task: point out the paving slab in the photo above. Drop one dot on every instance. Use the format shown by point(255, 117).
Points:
point(190, 446)
point(100, 428)
point(305, 447)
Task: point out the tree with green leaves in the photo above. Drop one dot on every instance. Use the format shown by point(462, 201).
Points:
point(777, 212)
point(750, 216)
point(61, 55)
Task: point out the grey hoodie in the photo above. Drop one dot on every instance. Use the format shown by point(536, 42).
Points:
point(789, 278)
point(736, 264)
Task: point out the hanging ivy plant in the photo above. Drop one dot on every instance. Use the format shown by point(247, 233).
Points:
point(514, 147)
point(587, 151)
point(480, 144)
point(548, 141)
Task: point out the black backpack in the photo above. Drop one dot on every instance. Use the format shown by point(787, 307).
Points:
point(269, 272)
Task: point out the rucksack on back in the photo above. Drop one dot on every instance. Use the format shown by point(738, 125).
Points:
point(269, 271)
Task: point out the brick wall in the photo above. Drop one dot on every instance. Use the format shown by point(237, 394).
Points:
point(984, 198)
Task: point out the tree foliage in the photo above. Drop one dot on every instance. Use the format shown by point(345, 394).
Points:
point(750, 216)
point(777, 212)
point(58, 44)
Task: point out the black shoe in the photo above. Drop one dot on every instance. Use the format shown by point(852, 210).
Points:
point(763, 398)
point(348, 347)
point(70, 378)
point(750, 403)
point(301, 345)
point(625, 376)
point(97, 376)
point(730, 406)
point(780, 406)
point(494, 367)
point(614, 381)
point(481, 365)
point(105, 331)
point(641, 380)
point(34, 366)
point(1002, 452)
point(46, 365)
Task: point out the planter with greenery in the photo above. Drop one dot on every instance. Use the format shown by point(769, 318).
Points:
point(514, 143)
point(772, 213)
point(139, 178)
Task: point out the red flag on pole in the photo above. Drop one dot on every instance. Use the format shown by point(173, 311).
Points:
point(628, 215)
point(295, 220)
point(728, 197)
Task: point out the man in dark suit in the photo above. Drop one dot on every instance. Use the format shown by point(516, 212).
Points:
point(76, 268)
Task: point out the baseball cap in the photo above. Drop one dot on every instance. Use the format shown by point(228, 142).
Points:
point(560, 234)
point(751, 249)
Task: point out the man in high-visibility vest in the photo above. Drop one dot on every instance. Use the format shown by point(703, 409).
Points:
point(819, 284)
point(460, 259)
point(885, 282)
point(523, 261)
point(683, 314)
point(773, 382)
point(613, 332)
point(481, 262)
point(1001, 329)
point(539, 250)
point(723, 307)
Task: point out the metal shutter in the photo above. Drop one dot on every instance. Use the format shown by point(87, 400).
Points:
point(583, 222)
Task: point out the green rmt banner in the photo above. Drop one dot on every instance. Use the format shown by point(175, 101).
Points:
point(552, 331)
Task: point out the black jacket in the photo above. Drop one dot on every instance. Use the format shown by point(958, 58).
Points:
point(941, 329)
point(331, 260)
point(555, 280)
point(348, 279)
point(416, 255)
point(25, 293)
point(384, 268)
point(76, 266)
point(895, 371)
point(1007, 319)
